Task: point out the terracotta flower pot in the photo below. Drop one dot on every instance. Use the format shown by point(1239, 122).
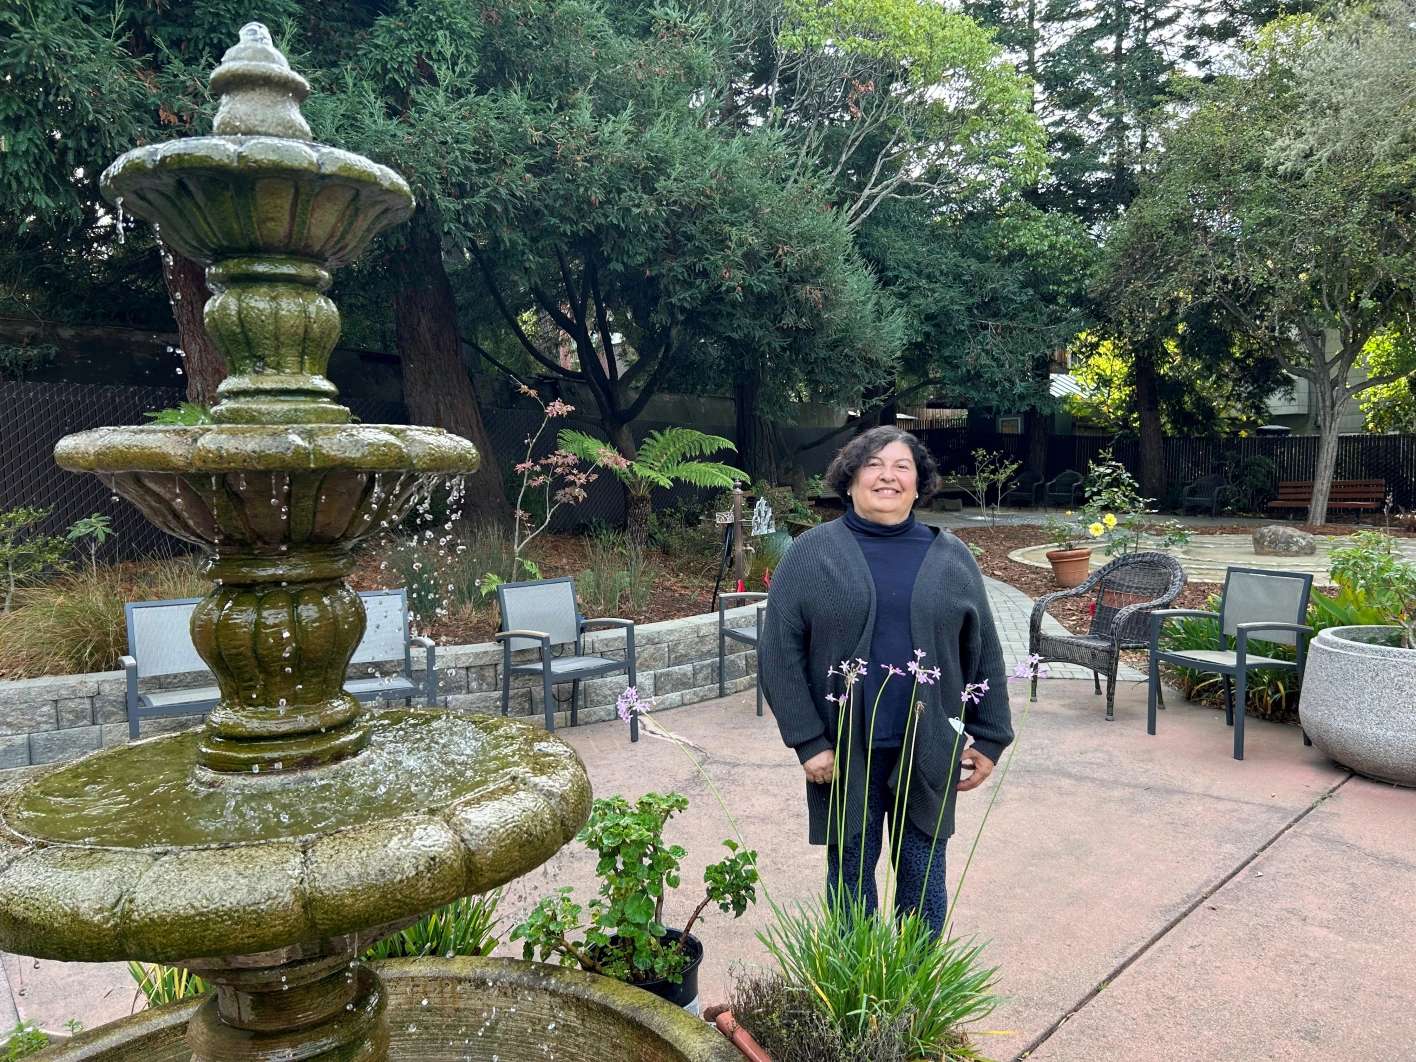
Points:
point(741, 1038)
point(1070, 567)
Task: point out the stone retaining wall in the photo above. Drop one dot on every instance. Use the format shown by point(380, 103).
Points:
point(49, 719)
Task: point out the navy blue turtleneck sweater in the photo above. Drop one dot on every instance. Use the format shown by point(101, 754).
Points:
point(894, 553)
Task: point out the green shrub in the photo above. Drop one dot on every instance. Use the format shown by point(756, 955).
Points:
point(24, 1039)
point(604, 582)
point(464, 927)
point(625, 938)
point(639, 579)
point(1253, 484)
point(76, 623)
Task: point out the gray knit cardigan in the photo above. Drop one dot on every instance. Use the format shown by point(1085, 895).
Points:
point(821, 612)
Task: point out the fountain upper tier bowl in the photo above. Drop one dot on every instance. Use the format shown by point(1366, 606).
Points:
point(222, 197)
point(126, 854)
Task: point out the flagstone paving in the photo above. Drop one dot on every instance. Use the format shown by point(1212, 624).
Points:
point(1205, 557)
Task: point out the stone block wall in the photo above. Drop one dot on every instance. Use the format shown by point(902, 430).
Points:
point(45, 720)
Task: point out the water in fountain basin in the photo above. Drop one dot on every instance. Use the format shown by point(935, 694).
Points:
point(151, 797)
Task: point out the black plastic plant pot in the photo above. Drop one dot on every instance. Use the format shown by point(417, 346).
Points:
point(685, 993)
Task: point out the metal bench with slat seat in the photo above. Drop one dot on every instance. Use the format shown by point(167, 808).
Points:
point(160, 643)
point(1361, 495)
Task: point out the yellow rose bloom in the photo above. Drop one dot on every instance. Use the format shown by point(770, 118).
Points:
point(1110, 521)
point(1097, 530)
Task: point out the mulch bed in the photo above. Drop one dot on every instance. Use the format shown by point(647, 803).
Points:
point(683, 587)
point(1073, 612)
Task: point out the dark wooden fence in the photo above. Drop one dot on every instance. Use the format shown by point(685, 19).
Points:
point(1388, 457)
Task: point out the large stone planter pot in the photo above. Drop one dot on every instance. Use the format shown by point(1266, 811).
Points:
point(1359, 701)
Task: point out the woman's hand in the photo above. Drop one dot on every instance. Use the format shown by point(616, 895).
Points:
point(982, 768)
point(821, 768)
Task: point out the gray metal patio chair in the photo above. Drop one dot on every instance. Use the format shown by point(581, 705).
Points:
point(160, 643)
point(1025, 490)
point(1065, 491)
point(1207, 492)
point(746, 635)
point(1264, 605)
point(1127, 589)
point(542, 613)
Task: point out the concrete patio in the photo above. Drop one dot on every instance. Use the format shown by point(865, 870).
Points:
point(1146, 898)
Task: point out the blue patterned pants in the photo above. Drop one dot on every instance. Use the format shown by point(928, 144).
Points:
point(921, 884)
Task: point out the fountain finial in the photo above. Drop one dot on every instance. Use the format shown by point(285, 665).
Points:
point(260, 94)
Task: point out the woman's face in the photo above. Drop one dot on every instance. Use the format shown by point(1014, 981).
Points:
point(886, 485)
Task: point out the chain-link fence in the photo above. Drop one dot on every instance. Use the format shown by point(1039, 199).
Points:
point(35, 416)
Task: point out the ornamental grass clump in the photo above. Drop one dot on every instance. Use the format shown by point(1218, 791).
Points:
point(467, 926)
point(869, 971)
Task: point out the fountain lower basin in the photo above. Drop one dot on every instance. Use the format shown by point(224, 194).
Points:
point(136, 852)
point(465, 1010)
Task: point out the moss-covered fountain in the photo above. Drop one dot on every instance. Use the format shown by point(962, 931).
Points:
point(270, 847)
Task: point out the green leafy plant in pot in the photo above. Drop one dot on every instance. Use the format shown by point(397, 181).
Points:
point(626, 937)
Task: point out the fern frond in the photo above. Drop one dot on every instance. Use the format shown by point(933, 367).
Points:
point(585, 447)
point(705, 474)
point(671, 446)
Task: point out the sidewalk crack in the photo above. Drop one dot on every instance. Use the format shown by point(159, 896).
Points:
point(1166, 929)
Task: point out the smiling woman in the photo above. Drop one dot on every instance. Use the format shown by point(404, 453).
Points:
point(885, 591)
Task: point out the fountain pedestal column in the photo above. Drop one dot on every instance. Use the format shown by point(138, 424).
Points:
point(315, 1010)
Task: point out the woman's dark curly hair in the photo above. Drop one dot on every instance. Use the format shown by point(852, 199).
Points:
point(866, 445)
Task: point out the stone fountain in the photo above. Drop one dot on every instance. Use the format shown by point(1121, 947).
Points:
point(267, 849)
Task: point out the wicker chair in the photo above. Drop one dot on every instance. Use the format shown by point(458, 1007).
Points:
point(1127, 590)
point(1064, 492)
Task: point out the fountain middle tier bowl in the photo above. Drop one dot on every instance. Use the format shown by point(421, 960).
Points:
point(238, 488)
point(132, 853)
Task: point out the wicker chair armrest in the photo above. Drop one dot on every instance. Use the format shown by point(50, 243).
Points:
point(1174, 613)
point(1040, 605)
point(1123, 615)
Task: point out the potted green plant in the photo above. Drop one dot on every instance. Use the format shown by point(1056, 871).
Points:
point(626, 937)
point(1070, 561)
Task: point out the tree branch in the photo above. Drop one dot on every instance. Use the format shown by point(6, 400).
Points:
point(510, 318)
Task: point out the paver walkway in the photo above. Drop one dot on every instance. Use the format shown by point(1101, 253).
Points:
point(1012, 612)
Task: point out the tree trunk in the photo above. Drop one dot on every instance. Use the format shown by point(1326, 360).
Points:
point(757, 454)
point(187, 290)
point(636, 520)
point(1039, 442)
point(1329, 421)
point(1152, 438)
point(436, 387)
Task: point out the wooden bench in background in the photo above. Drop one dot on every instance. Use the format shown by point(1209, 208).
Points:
point(1358, 494)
